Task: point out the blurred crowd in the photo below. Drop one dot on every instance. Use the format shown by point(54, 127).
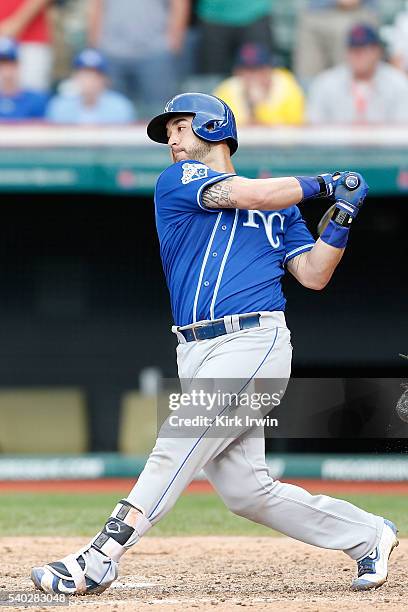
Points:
point(94, 62)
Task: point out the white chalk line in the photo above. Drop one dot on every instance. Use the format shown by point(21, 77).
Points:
point(133, 585)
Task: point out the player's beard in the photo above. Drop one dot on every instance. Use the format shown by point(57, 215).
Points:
point(200, 151)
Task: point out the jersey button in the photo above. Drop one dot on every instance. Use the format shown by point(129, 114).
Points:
point(214, 254)
point(206, 283)
point(223, 227)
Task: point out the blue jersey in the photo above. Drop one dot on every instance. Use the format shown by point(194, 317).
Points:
point(221, 262)
point(23, 105)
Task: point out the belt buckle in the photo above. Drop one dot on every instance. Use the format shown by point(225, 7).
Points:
point(193, 329)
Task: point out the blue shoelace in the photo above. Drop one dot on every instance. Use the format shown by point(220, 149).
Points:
point(366, 566)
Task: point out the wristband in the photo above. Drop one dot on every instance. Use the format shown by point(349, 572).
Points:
point(341, 217)
point(310, 186)
point(350, 210)
point(335, 235)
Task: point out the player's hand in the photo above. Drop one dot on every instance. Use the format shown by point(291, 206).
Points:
point(350, 191)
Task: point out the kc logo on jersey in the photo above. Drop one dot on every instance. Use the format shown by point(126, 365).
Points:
point(193, 172)
point(268, 221)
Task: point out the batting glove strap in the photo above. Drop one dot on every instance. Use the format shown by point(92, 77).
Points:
point(349, 209)
point(321, 186)
point(326, 182)
point(335, 235)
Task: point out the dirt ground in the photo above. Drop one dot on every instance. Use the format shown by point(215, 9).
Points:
point(216, 573)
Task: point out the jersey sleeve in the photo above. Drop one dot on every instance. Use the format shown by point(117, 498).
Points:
point(179, 189)
point(297, 238)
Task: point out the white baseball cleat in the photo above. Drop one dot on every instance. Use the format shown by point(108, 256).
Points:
point(77, 574)
point(373, 569)
point(91, 570)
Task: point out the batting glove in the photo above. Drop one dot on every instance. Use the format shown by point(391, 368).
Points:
point(350, 191)
point(321, 186)
point(327, 184)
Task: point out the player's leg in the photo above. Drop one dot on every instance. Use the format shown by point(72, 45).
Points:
point(215, 48)
point(171, 466)
point(241, 477)
point(175, 460)
point(309, 51)
point(153, 91)
point(120, 75)
point(260, 32)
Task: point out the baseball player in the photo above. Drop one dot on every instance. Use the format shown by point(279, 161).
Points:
point(226, 241)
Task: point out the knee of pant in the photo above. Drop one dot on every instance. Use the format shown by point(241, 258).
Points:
point(241, 506)
point(251, 505)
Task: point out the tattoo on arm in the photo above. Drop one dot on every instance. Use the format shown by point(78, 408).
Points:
point(219, 195)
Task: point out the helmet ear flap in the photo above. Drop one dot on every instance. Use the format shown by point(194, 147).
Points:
point(211, 126)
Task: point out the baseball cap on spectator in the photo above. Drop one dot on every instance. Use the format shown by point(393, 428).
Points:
point(253, 55)
point(91, 59)
point(8, 50)
point(362, 35)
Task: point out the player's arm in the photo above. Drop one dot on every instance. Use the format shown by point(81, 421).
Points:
point(315, 268)
point(179, 16)
point(266, 194)
point(94, 18)
point(19, 20)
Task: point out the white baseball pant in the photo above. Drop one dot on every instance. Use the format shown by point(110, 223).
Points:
point(236, 466)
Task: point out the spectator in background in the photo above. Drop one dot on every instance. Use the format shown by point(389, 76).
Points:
point(364, 90)
point(399, 40)
point(260, 93)
point(228, 24)
point(16, 104)
point(90, 102)
point(188, 64)
point(142, 42)
point(69, 28)
point(27, 22)
point(321, 39)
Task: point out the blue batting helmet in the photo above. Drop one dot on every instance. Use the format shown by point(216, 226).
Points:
point(213, 120)
point(90, 59)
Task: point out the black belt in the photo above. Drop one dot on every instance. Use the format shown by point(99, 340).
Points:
point(213, 329)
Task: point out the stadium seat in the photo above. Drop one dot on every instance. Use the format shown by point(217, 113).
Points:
point(43, 421)
point(138, 424)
